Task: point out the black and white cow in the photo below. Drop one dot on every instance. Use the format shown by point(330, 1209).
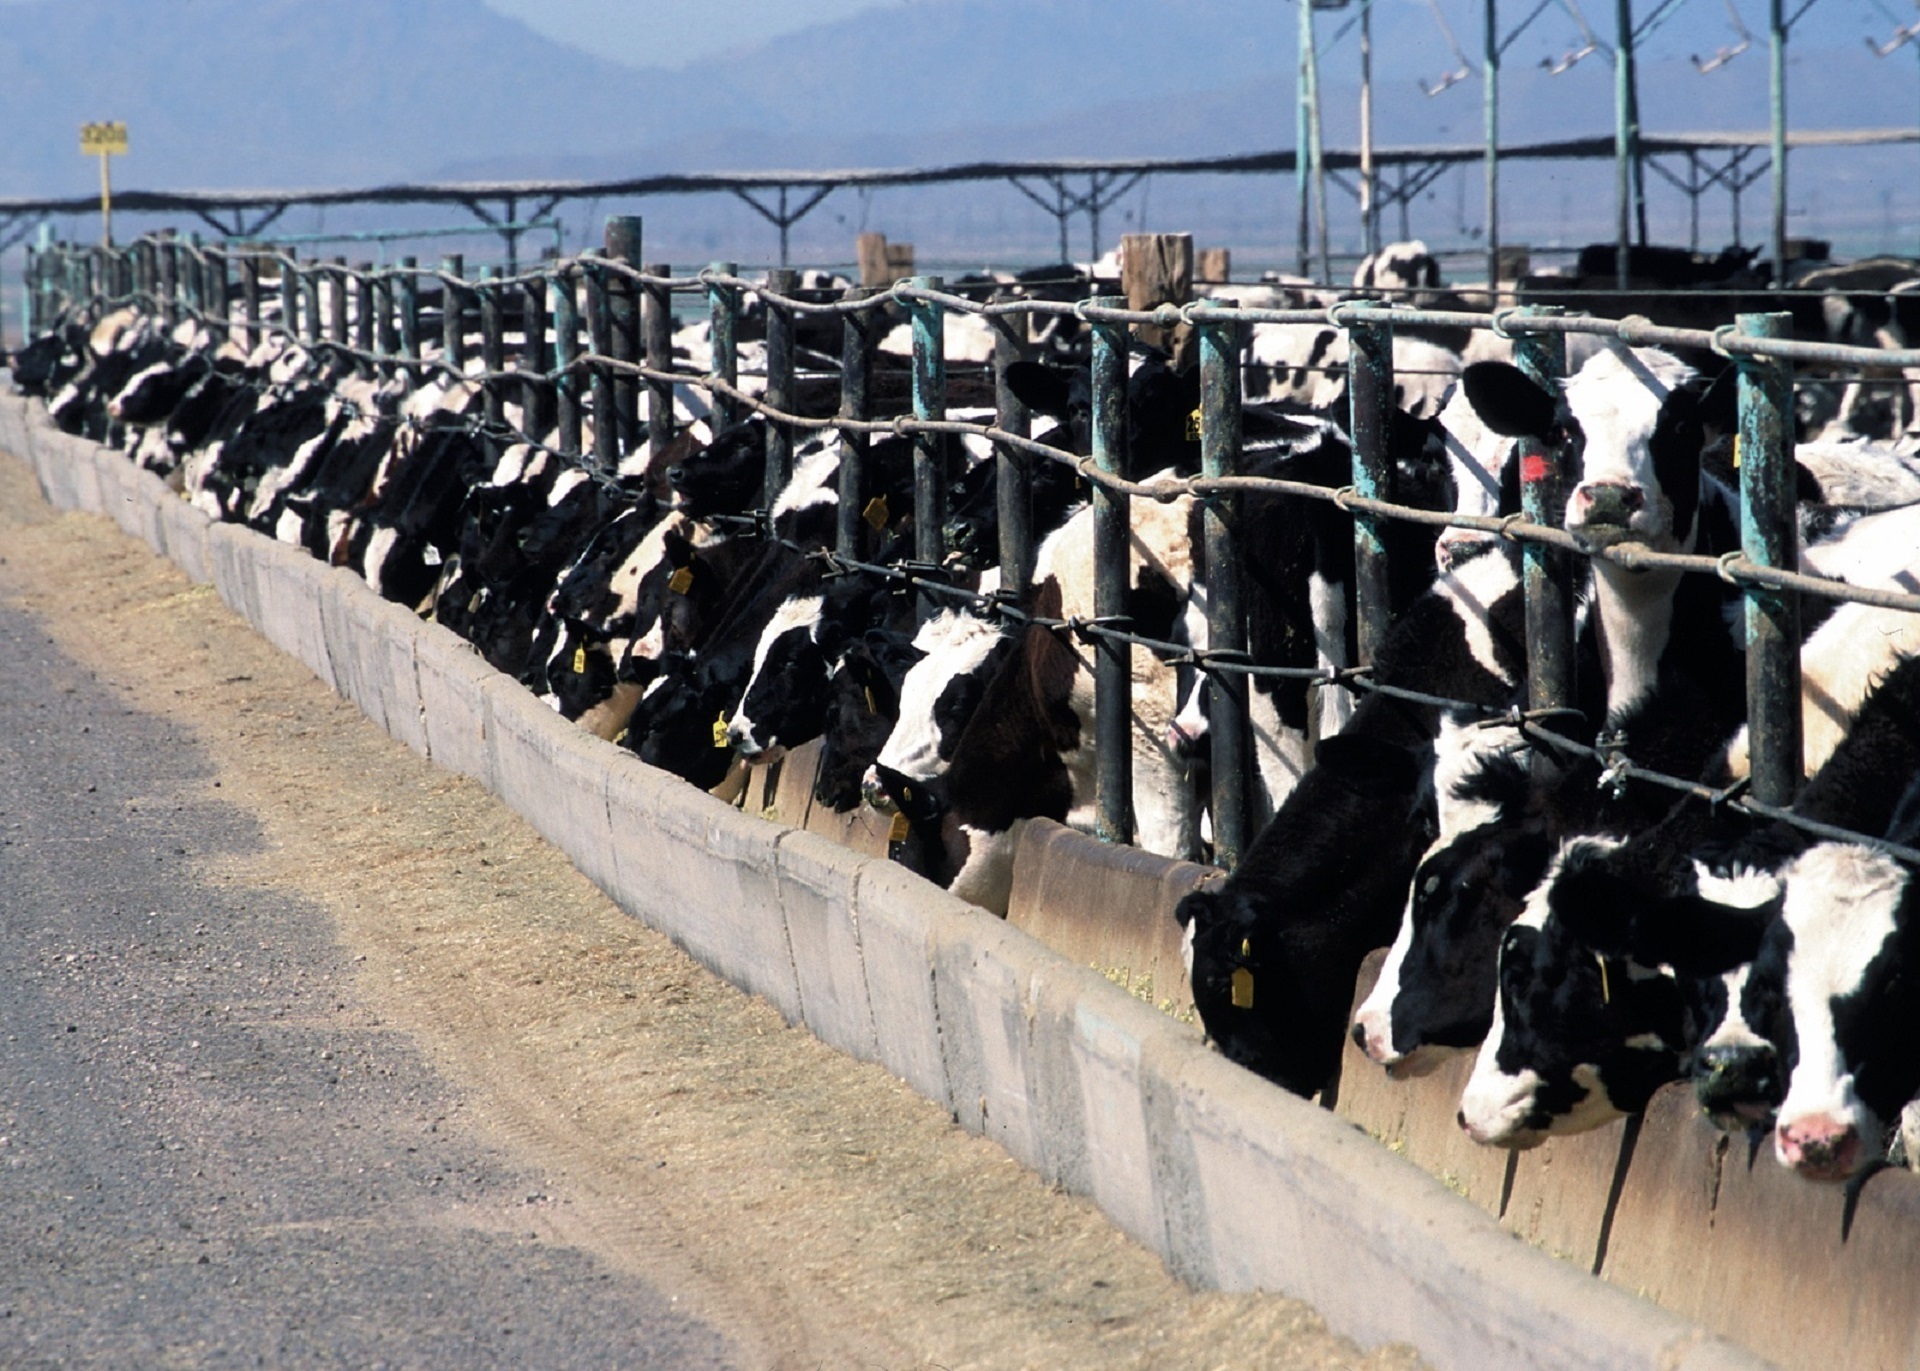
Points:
point(960, 652)
point(1297, 579)
point(1324, 883)
point(788, 697)
point(1774, 937)
point(1437, 989)
point(1028, 749)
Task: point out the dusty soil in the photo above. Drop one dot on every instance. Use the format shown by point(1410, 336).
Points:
point(811, 1206)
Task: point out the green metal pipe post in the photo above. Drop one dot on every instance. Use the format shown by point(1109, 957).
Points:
point(930, 474)
point(779, 450)
point(656, 327)
point(1768, 538)
point(723, 316)
point(1112, 518)
point(1228, 725)
point(1370, 387)
point(1546, 573)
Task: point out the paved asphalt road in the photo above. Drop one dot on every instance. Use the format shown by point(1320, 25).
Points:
point(210, 1155)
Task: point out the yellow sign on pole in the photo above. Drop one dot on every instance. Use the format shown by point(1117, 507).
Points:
point(104, 141)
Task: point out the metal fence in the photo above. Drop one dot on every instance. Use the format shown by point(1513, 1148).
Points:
point(563, 378)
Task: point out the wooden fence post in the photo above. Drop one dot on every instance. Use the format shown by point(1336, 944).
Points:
point(1157, 269)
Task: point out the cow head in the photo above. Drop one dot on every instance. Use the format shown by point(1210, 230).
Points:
point(1853, 1016)
point(1262, 994)
point(1579, 1037)
point(1437, 987)
point(790, 689)
point(725, 477)
point(1643, 418)
point(938, 696)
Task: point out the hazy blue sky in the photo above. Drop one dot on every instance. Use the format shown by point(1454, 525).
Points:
point(674, 32)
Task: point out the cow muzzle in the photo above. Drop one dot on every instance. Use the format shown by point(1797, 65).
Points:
point(1601, 513)
point(1185, 736)
point(1458, 546)
point(1820, 1147)
point(1737, 1086)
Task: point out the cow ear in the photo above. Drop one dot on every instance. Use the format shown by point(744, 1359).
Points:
point(1040, 388)
point(1508, 401)
point(1719, 406)
point(1197, 908)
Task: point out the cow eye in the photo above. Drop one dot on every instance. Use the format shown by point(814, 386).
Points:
point(1430, 886)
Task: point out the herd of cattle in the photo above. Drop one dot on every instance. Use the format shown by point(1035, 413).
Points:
point(1588, 935)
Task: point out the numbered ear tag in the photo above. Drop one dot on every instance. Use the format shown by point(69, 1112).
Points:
point(720, 730)
point(580, 660)
point(1242, 988)
point(681, 581)
point(1736, 452)
point(1193, 427)
point(897, 830)
point(876, 513)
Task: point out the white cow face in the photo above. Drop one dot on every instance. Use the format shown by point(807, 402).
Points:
point(937, 697)
point(1853, 1017)
point(1576, 1038)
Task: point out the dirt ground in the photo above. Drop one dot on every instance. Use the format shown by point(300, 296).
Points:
point(811, 1206)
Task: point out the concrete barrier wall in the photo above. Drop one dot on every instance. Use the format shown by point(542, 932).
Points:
point(1235, 1184)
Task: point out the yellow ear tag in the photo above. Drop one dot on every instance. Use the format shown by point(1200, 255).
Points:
point(720, 730)
point(681, 581)
point(1242, 988)
point(1606, 991)
point(1736, 452)
point(876, 513)
point(872, 708)
point(897, 830)
point(1193, 427)
point(580, 660)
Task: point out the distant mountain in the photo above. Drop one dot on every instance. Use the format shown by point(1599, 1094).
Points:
point(308, 93)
